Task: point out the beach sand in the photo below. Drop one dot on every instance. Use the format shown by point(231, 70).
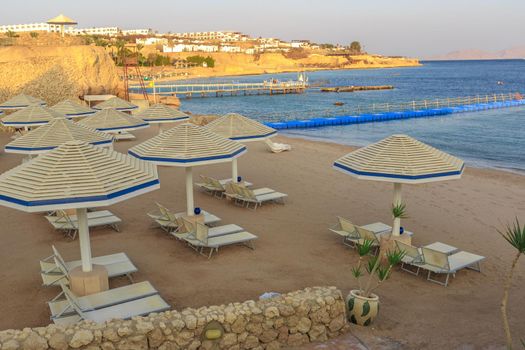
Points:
point(295, 248)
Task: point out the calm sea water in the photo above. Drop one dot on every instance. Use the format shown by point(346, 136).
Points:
point(485, 139)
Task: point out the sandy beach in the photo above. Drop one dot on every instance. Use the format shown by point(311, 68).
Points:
point(295, 248)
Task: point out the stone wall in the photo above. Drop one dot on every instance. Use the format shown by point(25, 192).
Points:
point(293, 319)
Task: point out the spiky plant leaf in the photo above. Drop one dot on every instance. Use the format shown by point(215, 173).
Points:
point(371, 263)
point(357, 272)
point(399, 211)
point(515, 235)
point(383, 273)
point(365, 248)
point(395, 257)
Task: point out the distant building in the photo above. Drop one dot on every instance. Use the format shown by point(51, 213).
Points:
point(136, 31)
point(31, 27)
point(104, 31)
point(151, 41)
point(223, 36)
point(295, 44)
point(228, 48)
point(190, 48)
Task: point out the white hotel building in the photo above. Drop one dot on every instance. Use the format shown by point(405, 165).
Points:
point(50, 28)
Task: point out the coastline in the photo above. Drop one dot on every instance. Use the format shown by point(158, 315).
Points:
point(242, 65)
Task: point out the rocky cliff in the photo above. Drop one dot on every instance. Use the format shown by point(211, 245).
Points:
point(56, 72)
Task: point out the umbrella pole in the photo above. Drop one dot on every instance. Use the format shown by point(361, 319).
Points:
point(397, 201)
point(189, 192)
point(83, 237)
point(234, 170)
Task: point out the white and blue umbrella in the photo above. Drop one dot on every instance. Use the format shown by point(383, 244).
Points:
point(116, 103)
point(30, 117)
point(21, 101)
point(113, 121)
point(76, 175)
point(160, 113)
point(186, 146)
point(400, 159)
point(72, 109)
point(53, 134)
point(237, 127)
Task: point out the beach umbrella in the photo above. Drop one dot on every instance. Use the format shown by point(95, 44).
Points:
point(186, 146)
point(76, 175)
point(400, 159)
point(31, 116)
point(21, 101)
point(113, 121)
point(62, 21)
point(240, 128)
point(116, 103)
point(56, 132)
point(71, 109)
point(160, 113)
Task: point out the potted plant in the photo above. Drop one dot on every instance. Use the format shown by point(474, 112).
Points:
point(399, 211)
point(515, 235)
point(362, 304)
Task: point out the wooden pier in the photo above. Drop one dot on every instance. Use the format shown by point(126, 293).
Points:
point(226, 89)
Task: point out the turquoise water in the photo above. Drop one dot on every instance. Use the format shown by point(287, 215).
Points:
point(491, 138)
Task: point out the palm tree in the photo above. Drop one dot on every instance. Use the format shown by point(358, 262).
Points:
point(515, 235)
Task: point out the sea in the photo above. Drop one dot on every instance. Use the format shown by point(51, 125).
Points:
point(487, 139)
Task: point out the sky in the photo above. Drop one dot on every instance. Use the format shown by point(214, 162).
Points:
point(417, 28)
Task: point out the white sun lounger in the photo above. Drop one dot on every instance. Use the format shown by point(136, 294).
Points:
point(246, 196)
point(167, 220)
point(48, 265)
point(441, 263)
point(114, 269)
point(60, 306)
point(69, 223)
point(216, 231)
point(138, 307)
point(277, 147)
point(348, 230)
point(200, 240)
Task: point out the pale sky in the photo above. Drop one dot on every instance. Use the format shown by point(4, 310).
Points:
point(418, 28)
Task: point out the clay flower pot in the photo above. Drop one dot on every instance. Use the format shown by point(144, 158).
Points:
point(361, 310)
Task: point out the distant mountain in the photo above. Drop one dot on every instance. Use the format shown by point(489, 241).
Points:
point(473, 54)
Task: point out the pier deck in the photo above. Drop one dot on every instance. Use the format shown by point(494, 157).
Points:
point(226, 89)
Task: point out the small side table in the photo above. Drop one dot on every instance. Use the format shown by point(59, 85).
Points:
point(86, 283)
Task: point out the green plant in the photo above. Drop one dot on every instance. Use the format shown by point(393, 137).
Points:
point(399, 211)
point(33, 35)
point(200, 60)
point(515, 236)
point(11, 34)
point(377, 272)
point(355, 47)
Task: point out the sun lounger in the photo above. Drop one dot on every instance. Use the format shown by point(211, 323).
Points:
point(200, 239)
point(277, 147)
point(209, 218)
point(126, 310)
point(441, 263)
point(246, 196)
point(115, 268)
point(69, 223)
point(217, 187)
point(167, 220)
point(60, 306)
point(348, 231)
point(216, 231)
